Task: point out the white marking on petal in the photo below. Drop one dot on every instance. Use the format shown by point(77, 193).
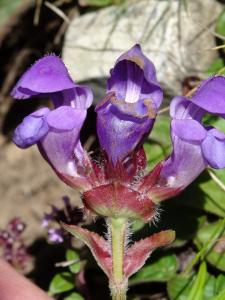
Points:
point(71, 169)
point(171, 181)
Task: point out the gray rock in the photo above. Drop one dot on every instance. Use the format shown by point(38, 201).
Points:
point(175, 38)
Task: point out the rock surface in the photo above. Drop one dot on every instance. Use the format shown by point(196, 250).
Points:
point(175, 37)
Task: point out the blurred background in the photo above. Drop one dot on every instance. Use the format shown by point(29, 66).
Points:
point(185, 40)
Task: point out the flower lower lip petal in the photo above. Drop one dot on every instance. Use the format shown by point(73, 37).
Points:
point(189, 130)
point(65, 118)
point(213, 151)
point(32, 129)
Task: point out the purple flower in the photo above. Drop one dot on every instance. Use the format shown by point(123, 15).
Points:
point(195, 146)
point(56, 131)
point(55, 235)
point(12, 247)
point(124, 117)
point(69, 214)
point(128, 111)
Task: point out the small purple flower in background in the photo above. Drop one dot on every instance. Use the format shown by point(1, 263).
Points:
point(12, 246)
point(68, 214)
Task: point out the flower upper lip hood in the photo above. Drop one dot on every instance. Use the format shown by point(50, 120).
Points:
point(128, 111)
point(133, 78)
point(47, 75)
point(212, 88)
point(195, 146)
point(50, 76)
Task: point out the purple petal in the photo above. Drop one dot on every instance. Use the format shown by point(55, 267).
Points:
point(120, 136)
point(213, 148)
point(32, 129)
point(134, 77)
point(186, 161)
point(183, 166)
point(66, 118)
point(80, 97)
point(83, 98)
point(128, 111)
point(46, 220)
point(58, 149)
point(55, 235)
point(178, 107)
point(40, 112)
point(47, 75)
point(136, 55)
point(126, 80)
point(138, 111)
point(194, 147)
point(189, 130)
point(216, 133)
point(182, 108)
point(211, 95)
point(60, 144)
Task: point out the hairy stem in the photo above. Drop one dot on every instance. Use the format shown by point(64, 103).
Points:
point(118, 284)
point(119, 294)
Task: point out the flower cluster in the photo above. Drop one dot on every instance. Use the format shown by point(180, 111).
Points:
point(12, 247)
point(68, 214)
point(117, 187)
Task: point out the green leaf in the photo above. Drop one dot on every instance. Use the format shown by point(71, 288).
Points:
point(205, 194)
point(159, 145)
point(215, 67)
point(161, 130)
point(74, 257)
point(209, 234)
point(61, 283)
point(220, 283)
point(7, 8)
point(221, 295)
point(161, 270)
point(180, 286)
point(74, 296)
point(220, 24)
point(197, 290)
point(217, 122)
point(210, 287)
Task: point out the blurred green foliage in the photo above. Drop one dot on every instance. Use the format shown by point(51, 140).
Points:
point(218, 66)
point(7, 8)
point(61, 282)
point(163, 269)
point(64, 282)
point(220, 24)
point(100, 3)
